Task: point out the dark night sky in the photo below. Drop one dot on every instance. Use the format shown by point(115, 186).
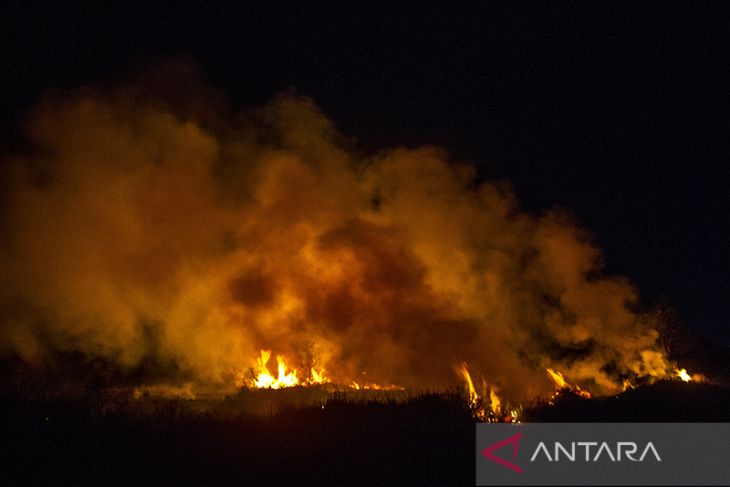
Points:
point(619, 114)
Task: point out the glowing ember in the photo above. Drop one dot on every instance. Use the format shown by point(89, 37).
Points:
point(375, 387)
point(582, 392)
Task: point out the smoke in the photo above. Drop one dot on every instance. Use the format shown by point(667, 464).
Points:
point(150, 224)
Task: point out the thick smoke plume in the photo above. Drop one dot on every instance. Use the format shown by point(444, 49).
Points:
point(149, 224)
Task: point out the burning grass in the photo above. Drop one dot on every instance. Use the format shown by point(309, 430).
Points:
point(96, 433)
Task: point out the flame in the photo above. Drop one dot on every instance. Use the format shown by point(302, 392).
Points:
point(582, 392)
point(557, 379)
point(562, 385)
point(289, 377)
point(498, 411)
point(495, 402)
point(317, 377)
point(473, 396)
point(683, 375)
point(265, 380)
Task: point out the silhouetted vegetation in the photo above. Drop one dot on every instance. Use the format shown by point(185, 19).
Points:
point(75, 437)
point(669, 401)
point(427, 439)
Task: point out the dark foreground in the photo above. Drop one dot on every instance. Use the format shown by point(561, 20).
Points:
point(427, 439)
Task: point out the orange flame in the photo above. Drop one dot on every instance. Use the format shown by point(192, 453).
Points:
point(557, 379)
point(683, 375)
point(561, 384)
point(289, 377)
point(316, 377)
point(473, 396)
point(268, 381)
point(497, 412)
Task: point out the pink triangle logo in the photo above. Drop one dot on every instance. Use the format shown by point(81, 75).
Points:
point(488, 452)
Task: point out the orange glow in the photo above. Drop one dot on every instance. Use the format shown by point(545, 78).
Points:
point(582, 392)
point(495, 402)
point(375, 387)
point(557, 378)
point(473, 396)
point(317, 377)
point(683, 375)
point(498, 412)
point(207, 247)
point(287, 376)
point(561, 384)
point(265, 380)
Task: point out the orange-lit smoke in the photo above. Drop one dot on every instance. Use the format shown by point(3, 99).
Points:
point(148, 228)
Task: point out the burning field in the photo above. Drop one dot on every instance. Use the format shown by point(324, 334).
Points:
point(194, 247)
point(161, 250)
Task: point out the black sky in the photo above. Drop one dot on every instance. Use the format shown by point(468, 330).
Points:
point(616, 111)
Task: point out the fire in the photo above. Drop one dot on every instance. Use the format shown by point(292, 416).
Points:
point(473, 396)
point(396, 261)
point(316, 377)
point(686, 376)
point(484, 401)
point(285, 377)
point(268, 381)
point(494, 401)
point(375, 387)
point(557, 379)
point(497, 411)
point(289, 377)
point(683, 375)
point(582, 392)
point(561, 384)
